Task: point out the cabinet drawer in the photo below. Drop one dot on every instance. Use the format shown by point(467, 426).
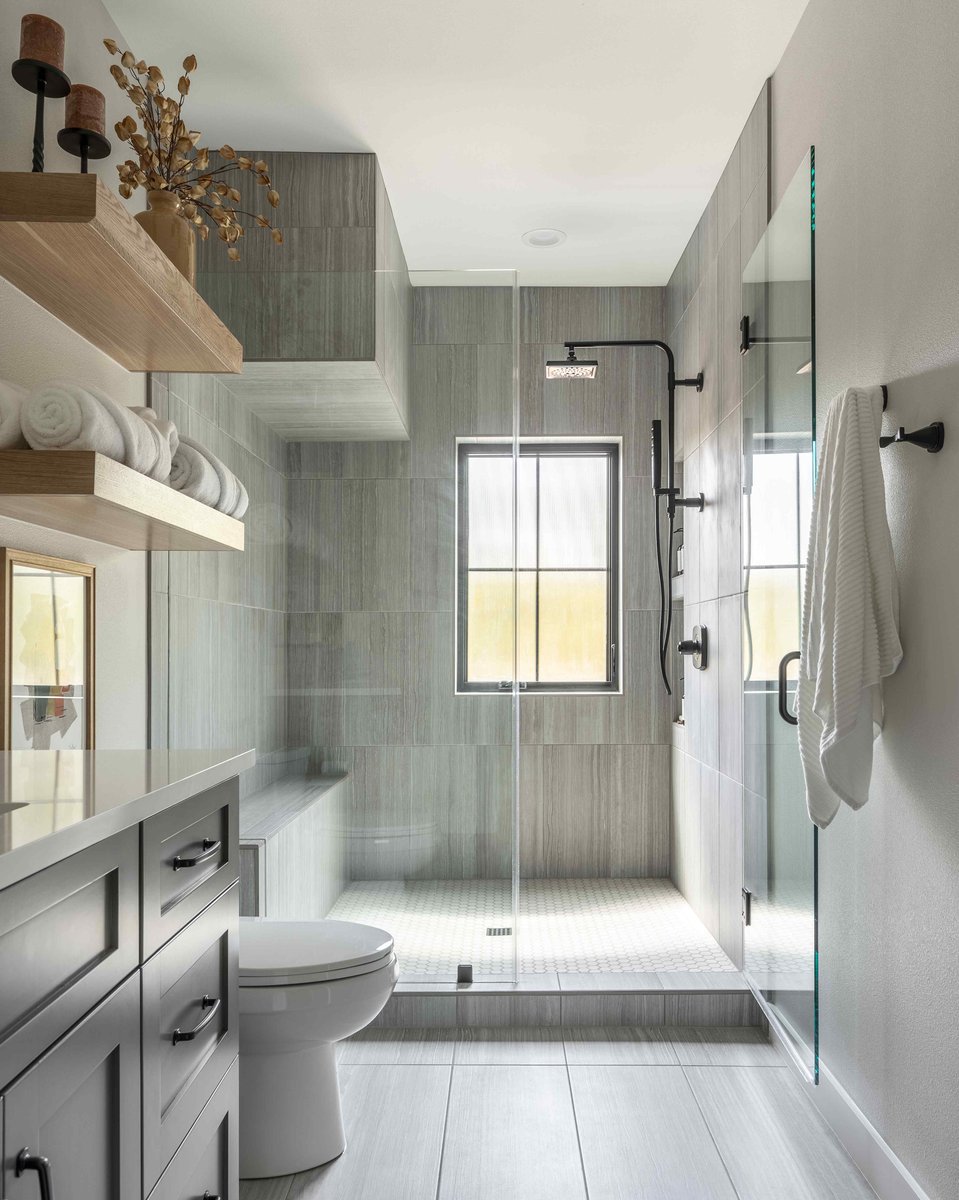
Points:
point(79, 1107)
point(190, 1027)
point(191, 854)
point(68, 935)
point(207, 1163)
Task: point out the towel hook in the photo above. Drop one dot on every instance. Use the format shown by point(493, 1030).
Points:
point(930, 437)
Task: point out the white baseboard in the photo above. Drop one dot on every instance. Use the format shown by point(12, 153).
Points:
point(884, 1172)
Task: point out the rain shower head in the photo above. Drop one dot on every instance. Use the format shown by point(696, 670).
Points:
point(572, 367)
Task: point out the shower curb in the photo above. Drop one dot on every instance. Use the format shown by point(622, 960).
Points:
point(445, 1005)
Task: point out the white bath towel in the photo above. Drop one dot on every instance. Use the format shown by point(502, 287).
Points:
point(850, 635)
point(229, 495)
point(242, 504)
point(62, 416)
point(167, 432)
point(192, 474)
point(233, 499)
point(12, 397)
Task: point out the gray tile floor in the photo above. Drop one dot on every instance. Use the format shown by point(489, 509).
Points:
point(618, 1113)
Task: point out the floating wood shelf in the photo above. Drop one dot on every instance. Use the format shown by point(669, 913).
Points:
point(70, 244)
point(91, 496)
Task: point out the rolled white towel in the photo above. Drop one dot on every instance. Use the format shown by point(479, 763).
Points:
point(12, 397)
point(229, 496)
point(167, 428)
point(62, 416)
point(164, 441)
point(242, 504)
point(192, 474)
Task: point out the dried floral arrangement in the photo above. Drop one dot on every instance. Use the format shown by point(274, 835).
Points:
point(170, 159)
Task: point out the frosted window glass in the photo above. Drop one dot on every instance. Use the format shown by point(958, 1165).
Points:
point(773, 510)
point(773, 603)
point(572, 626)
point(490, 626)
point(573, 512)
point(491, 512)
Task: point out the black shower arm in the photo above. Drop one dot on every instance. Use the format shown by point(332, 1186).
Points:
point(672, 383)
point(697, 383)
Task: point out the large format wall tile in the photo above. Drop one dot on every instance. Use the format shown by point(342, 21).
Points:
point(439, 717)
point(348, 678)
point(462, 805)
point(704, 304)
point(601, 811)
point(454, 315)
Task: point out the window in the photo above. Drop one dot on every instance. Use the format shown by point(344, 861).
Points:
point(567, 566)
point(776, 510)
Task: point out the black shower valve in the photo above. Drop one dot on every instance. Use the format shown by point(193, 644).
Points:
point(697, 647)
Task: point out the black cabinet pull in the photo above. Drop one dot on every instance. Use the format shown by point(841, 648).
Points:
point(212, 1006)
point(36, 1162)
point(210, 1196)
point(784, 662)
point(210, 850)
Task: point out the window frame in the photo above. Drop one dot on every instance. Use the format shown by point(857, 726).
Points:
point(496, 447)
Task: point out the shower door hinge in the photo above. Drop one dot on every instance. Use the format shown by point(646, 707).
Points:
point(747, 906)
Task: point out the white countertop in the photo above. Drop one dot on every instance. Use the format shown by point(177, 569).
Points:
point(56, 802)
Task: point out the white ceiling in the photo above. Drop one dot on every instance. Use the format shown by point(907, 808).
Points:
point(609, 119)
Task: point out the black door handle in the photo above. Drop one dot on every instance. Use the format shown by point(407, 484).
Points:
point(210, 850)
point(784, 662)
point(212, 1006)
point(36, 1162)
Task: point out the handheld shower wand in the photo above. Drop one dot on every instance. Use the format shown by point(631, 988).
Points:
point(573, 368)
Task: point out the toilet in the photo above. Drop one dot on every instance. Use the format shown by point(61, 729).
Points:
point(304, 986)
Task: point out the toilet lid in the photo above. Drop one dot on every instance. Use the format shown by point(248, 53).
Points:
point(307, 951)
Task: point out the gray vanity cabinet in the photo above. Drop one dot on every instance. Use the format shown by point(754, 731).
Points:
point(190, 1027)
point(79, 1106)
point(119, 1022)
point(207, 1164)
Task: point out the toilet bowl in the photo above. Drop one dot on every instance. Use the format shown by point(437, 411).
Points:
point(304, 985)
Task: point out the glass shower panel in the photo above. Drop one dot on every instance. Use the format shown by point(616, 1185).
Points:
point(780, 897)
point(451, 905)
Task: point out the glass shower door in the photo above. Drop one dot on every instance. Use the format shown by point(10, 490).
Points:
point(779, 896)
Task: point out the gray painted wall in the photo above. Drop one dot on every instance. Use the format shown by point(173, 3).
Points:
point(703, 301)
point(371, 571)
point(873, 84)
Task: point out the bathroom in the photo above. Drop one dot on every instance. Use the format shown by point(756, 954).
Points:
point(485, 885)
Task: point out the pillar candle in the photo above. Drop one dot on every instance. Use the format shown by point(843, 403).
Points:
point(86, 109)
point(41, 39)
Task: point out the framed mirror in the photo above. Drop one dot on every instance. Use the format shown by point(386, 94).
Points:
point(47, 617)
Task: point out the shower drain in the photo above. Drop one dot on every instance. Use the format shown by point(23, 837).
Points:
point(498, 930)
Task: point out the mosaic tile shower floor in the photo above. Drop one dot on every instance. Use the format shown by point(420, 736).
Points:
point(570, 925)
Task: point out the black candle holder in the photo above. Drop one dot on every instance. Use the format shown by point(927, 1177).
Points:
point(45, 80)
point(84, 144)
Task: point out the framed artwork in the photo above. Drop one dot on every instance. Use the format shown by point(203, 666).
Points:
point(47, 617)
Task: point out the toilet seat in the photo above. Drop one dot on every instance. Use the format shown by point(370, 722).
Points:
point(285, 953)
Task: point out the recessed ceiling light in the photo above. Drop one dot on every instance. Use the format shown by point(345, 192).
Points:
point(542, 238)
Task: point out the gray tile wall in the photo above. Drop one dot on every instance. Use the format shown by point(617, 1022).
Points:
point(704, 306)
point(218, 620)
point(337, 288)
point(371, 624)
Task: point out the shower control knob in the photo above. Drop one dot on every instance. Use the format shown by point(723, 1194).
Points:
point(696, 647)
